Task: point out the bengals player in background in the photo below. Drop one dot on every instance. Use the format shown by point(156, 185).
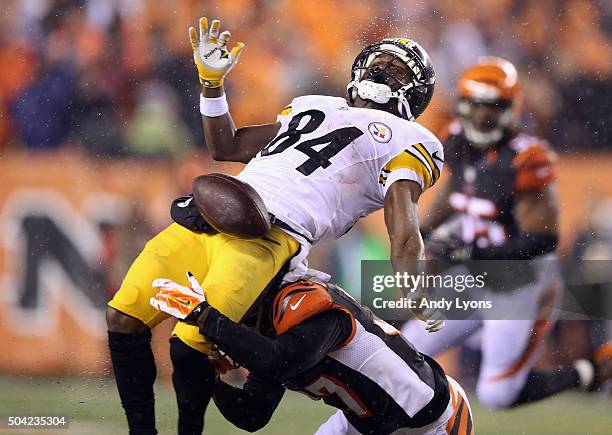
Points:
point(500, 203)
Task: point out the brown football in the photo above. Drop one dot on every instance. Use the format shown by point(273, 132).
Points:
point(231, 206)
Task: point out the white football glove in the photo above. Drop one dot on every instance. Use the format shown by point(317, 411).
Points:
point(177, 300)
point(434, 319)
point(434, 325)
point(210, 53)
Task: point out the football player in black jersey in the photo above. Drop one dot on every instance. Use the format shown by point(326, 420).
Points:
point(500, 203)
point(315, 338)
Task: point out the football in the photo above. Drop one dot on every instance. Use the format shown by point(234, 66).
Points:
point(231, 206)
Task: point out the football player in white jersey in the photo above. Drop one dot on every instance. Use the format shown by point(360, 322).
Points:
point(325, 163)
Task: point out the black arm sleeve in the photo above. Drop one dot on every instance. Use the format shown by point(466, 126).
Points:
point(523, 247)
point(280, 358)
point(250, 407)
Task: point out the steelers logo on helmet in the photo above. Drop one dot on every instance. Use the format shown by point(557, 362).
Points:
point(377, 77)
point(486, 106)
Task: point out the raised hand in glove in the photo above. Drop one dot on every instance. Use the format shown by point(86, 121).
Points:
point(184, 303)
point(210, 53)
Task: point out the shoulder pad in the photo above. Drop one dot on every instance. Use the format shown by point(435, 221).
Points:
point(317, 101)
point(534, 163)
point(306, 102)
point(299, 301)
point(417, 132)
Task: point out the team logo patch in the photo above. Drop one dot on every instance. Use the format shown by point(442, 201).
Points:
point(380, 132)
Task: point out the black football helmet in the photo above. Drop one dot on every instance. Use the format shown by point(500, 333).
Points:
point(415, 92)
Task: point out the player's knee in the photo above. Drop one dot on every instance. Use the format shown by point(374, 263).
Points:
point(116, 321)
point(498, 394)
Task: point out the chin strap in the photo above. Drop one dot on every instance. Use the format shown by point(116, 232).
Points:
point(380, 94)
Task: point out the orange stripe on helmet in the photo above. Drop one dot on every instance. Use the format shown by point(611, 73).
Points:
point(490, 79)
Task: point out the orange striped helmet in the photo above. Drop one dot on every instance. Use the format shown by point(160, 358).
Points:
point(491, 79)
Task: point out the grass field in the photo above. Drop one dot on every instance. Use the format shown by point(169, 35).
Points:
point(92, 407)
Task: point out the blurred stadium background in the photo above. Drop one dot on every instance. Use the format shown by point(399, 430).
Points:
point(99, 130)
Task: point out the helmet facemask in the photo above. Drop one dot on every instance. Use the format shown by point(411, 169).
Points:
point(393, 75)
point(489, 100)
point(484, 123)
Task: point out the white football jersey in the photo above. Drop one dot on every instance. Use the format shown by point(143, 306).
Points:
point(331, 164)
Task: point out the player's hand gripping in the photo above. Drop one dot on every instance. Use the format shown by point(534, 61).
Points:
point(434, 319)
point(184, 303)
point(210, 53)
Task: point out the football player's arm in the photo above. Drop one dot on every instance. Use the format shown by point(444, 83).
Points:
point(250, 407)
point(407, 250)
point(535, 210)
point(536, 215)
point(280, 358)
point(402, 221)
point(440, 209)
point(227, 143)
point(214, 61)
point(403, 180)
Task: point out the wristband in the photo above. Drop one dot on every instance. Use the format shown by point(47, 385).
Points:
point(213, 107)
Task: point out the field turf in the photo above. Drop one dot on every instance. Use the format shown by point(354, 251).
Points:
point(93, 408)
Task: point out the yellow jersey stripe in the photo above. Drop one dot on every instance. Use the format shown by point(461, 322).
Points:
point(407, 160)
point(423, 151)
point(423, 168)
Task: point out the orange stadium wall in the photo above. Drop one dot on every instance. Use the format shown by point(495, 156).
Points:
point(56, 279)
point(69, 227)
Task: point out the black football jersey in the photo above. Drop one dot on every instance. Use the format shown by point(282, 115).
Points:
point(380, 381)
point(316, 339)
point(485, 184)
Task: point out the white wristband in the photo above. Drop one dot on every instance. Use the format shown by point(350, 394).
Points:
point(212, 107)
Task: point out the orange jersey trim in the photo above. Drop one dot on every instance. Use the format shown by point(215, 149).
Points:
point(302, 300)
point(460, 422)
point(535, 168)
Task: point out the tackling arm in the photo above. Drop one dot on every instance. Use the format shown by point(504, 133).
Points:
point(250, 407)
point(314, 329)
point(280, 358)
